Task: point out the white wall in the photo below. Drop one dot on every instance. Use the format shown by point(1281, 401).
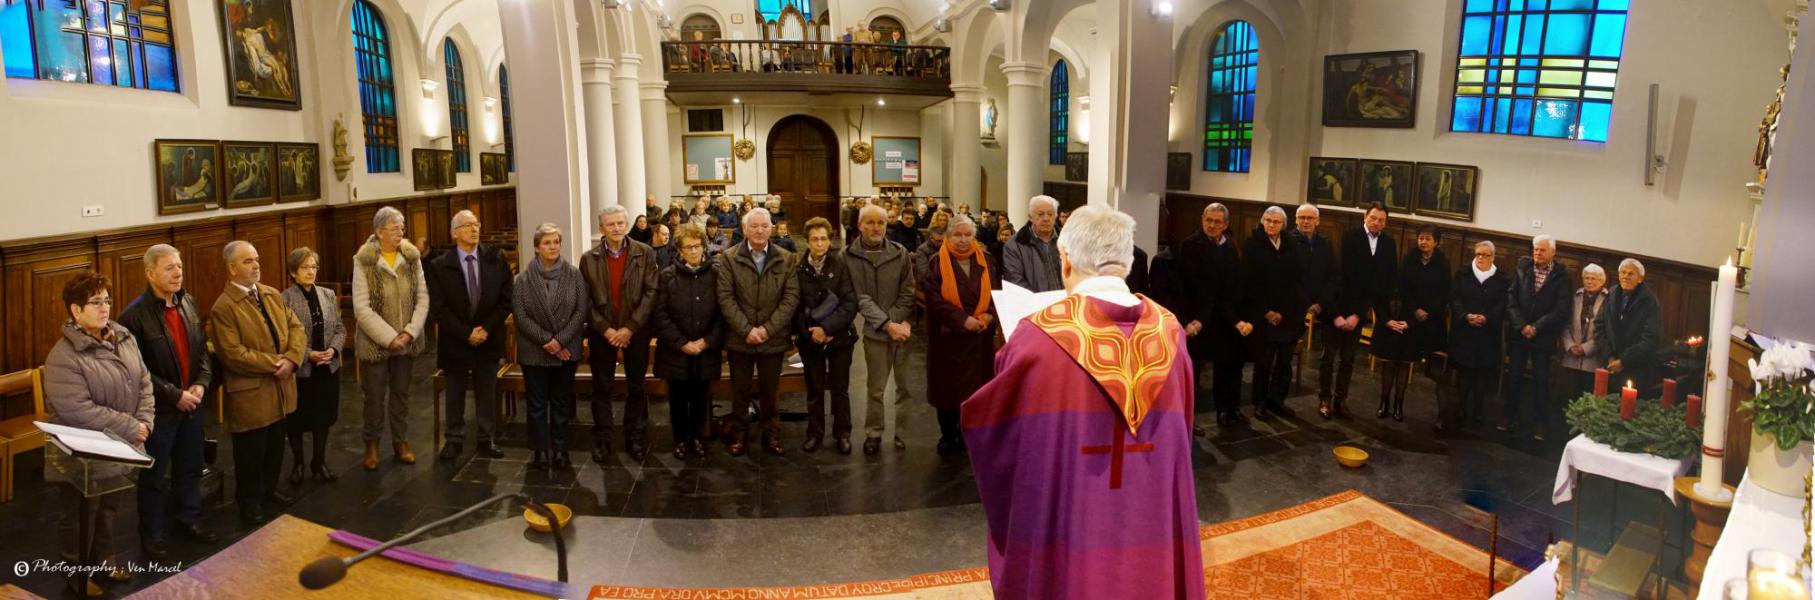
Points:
point(853, 179)
point(69, 145)
point(1716, 67)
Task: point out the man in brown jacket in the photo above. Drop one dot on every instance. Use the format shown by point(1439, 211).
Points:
point(620, 274)
point(261, 342)
point(757, 293)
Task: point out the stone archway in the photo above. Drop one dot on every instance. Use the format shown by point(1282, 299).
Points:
point(803, 158)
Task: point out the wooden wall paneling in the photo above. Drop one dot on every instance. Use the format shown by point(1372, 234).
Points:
point(352, 224)
point(441, 212)
point(303, 229)
point(204, 270)
point(35, 312)
point(266, 233)
point(504, 201)
point(416, 222)
point(123, 262)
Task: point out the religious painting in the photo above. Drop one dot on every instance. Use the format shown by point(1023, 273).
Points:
point(1376, 89)
point(1178, 170)
point(298, 172)
point(493, 169)
point(1332, 181)
point(1388, 182)
point(1447, 191)
point(424, 169)
point(250, 173)
point(260, 39)
point(1077, 166)
point(188, 175)
point(444, 169)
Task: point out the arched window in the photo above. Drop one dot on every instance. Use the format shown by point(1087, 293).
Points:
point(510, 144)
point(705, 25)
point(377, 96)
point(1061, 114)
point(107, 43)
point(1229, 98)
point(1527, 68)
point(456, 108)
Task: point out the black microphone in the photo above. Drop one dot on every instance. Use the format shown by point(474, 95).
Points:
point(330, 570)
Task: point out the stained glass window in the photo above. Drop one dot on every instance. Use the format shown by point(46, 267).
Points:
point(1542, 68)
point(377, 95)
point(1229, 98)
point(1061, 114)
point(510, 140)
point(456, 107)
point(118, 43)
point(770, 10)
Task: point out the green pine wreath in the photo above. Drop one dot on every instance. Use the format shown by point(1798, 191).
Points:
point(1652, 430)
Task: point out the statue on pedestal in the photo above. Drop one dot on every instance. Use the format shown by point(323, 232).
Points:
point(989, 120)
point(343, 160)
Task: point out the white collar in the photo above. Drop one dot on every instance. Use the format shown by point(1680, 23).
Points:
point(249, 290)
point(1480, 275)
point(1107, 288)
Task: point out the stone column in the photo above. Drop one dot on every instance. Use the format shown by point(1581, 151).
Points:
point(1026, 135)
point(1129, 79)
point(631, 169)
point(552, 183)
point(967, 138)
point(655, 146)
point(601, 139)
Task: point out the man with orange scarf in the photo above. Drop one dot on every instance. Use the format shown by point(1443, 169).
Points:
point(961, 335)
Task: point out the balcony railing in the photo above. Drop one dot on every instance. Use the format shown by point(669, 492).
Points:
point(887, 67)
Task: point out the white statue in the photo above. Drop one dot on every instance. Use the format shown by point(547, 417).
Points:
point(989, 120)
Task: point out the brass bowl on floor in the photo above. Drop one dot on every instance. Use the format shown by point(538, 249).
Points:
point(539, 523)
point(1351, 457)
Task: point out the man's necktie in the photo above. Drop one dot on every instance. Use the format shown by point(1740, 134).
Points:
point(270, 326)
point(472, 283)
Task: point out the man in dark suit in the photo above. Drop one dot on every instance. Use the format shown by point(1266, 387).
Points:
point(1209, 274)
point(174, 342)
point(1317, 268)
point(1537, 307)
point(620, 276)
point(1370, 261)
point(469, 297)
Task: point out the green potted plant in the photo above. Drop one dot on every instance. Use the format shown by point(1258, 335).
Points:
point(1783, 417)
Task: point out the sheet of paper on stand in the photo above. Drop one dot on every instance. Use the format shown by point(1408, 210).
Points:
point(1014, 303)
point(85, 441)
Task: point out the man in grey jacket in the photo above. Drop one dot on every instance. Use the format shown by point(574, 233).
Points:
point(1030, 259)
point(757, 294)
point(883, 273)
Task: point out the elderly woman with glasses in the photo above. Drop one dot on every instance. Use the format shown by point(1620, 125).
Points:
point(318, 378)
point(1477, 311)
point(690, 332)
point(391, 308)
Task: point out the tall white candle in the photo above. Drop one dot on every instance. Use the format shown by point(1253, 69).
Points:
point(1714, 426)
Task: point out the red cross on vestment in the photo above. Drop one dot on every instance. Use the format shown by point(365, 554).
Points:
point(1115, 454)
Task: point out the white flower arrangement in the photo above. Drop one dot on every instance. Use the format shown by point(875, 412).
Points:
point(1783, 405)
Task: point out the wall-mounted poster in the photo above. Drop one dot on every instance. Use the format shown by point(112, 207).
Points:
point(1178, 170)
point(1376, 89)
point(708, 159)
point(1077, 166)
point(188, 175)
point(251, 173)
point(1388, 182)
point(424, 169)
point(1332, 181)
point(260, 38)
point(298, 172)
point(1447, 191)
point(894, 155)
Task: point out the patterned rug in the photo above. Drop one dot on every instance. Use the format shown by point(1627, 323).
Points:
point(1344, 546)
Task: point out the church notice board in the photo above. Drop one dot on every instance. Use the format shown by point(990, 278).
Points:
point(896, 162)
point(707, 160)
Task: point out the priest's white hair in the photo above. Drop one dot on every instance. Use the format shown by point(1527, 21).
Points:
point(1099, 241)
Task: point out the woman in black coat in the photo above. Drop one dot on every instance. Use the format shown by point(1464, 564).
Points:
point(828, 305)
point(1394, 343)
point(690, 333)
point(1424, 287)
point(1477, 311)
point(1275, 303)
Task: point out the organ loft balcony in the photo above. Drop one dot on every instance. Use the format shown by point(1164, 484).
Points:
point(813, 67)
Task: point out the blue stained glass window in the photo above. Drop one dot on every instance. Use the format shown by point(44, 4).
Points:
point(1563, 54)
point(456, 107)
point(377, 94)
point(1060, 122)
point(1229, 100)
point(510, 143)
point(90, 41)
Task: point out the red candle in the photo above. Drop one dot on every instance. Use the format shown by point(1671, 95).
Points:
point(1693, 417)
point(1694, 342)
point(1600, 382)
point(1629, 399)
point(1669, 398)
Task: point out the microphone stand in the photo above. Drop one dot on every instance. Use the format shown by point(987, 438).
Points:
point(327, 571)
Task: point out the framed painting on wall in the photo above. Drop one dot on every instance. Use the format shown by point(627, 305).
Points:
point(1447, 191)
point(1178, 170)
point(444, 169)
point(1077, 166)
point(1388, 182)
point(260, 40)
point(424, 169)
point(1332, 181)
point(1376, 89)
point(492, 169)
point(250, 173)
point(298, 172)
point(188, 175)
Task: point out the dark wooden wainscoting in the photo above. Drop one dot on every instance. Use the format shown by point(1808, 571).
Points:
point(33, 271)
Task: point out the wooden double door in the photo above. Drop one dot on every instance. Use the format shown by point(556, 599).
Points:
point(803, 169)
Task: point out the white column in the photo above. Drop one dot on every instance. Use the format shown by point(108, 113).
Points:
point(601, 140)
point(655, 147)
point(935, 125)
point(966, 141)
point(552, 183)
point(1128, 80)
point(629, 104)
point(1025, 140)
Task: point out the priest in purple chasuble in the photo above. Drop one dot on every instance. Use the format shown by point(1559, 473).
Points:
point(1081, 444)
